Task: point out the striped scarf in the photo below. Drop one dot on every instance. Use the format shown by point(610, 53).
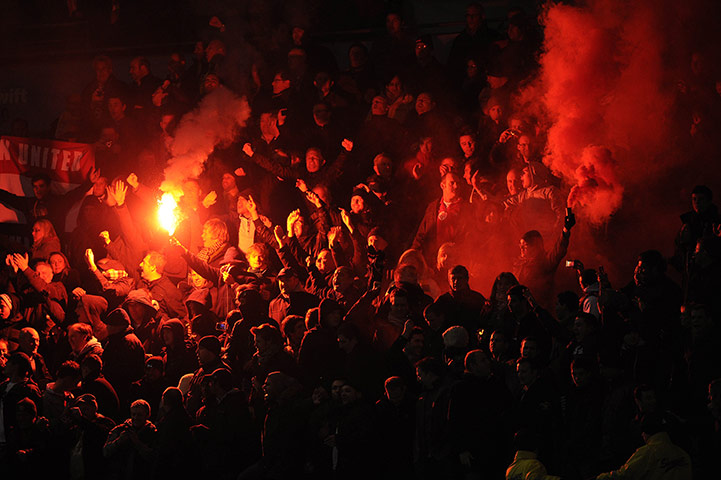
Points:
point(206, 253)
point(114, 275)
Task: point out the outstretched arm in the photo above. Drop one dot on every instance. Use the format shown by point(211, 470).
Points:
point(267, 164)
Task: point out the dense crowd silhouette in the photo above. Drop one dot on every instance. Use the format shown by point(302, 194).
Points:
point(312, 315)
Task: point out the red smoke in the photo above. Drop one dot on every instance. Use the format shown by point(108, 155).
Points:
point(606, 96)
point(215, 121)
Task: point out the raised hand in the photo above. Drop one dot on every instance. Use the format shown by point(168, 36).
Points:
point(252, 208)
point(313, 198)
point(278, 232)
point(118, 190)
point(248, 149)
point(346, 219)
point(133, 181)
point(21, 261)
point(347, 144)
point(105, 235)
point(239, 172)
point(301, 185)
point(290, 222)
point(90, 259)
point(569, 221)
point(210, 199)
point(333, 236)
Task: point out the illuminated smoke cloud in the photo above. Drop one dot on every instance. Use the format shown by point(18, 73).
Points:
point(215, 121)
point(606, 96)
point(597, 190)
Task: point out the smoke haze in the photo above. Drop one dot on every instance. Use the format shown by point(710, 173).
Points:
point(215, 121)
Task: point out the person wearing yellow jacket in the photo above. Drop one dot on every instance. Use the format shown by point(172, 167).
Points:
point(659, 459)
point(526, 465)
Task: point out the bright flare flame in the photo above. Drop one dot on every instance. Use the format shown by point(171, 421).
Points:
point(168, 213)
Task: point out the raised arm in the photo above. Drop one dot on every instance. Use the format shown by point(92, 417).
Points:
point(51, 295)
point(204, 269)
point(76, 194)
point(15, 201)
point(267, 164)
point(116, 196)
point(559, 250)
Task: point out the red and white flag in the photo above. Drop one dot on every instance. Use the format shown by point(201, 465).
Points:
point(67, 164)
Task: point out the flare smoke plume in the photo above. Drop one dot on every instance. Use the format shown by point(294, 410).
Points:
point(215, 121)
point(606, 92)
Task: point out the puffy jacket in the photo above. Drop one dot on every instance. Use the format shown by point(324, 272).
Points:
point(526, 466)
point(659, 459)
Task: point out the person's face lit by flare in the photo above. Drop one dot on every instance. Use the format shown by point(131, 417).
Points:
point(313, 160)
point(524, 147)
point(57, 263)
point(513, 182)
point(357, 204)
point(468, 145)
point(424, 104)
point(495, 112)
point(41, 189)
point(324, 262)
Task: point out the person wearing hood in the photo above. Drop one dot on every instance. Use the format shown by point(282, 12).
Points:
point(144, 318)
point(319, 356)
point(123, 355)
point(178, 353)
point(82, 342)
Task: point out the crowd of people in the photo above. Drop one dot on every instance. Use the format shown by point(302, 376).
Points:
point(313, 316)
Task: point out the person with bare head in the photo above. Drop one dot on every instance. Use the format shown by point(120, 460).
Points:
point(444, 218)
point(475, 41)
point(50, 309)
point(161, 288)
point(462, 304)
point(130, 446)
point(394, 49)
point(45, 204)
point(28, 343)
point(144, 84)
point(95, 94)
